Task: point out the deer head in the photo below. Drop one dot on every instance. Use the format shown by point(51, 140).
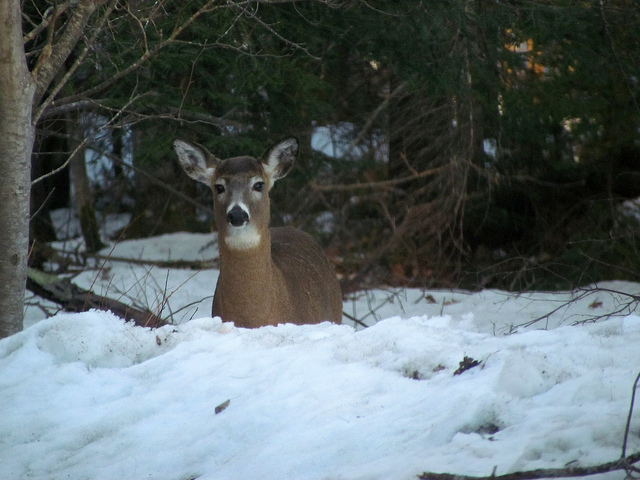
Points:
point(240, 187)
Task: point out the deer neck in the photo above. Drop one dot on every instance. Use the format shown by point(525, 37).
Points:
point(244, 293)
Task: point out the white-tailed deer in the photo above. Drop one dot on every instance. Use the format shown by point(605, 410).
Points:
point(267, 275)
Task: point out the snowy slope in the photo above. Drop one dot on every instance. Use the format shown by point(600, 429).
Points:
point(87, 396)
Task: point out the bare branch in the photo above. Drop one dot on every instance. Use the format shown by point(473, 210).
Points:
point(219, 122)
point(49, 14)
point(277, 35)
point(79, 106)
point(207, 7)
point(383, 184)
point(623, 309)
point(379, 109)
point(628, 426)
point(75, 299)
point(64, 165)
point(180, 264)
point(52, 57)
point(54, 91)
point(82, 143)
point(621, 464)
point(172, 113)
point(160, 183)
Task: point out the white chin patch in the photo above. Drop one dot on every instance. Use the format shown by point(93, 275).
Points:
point(242, 238)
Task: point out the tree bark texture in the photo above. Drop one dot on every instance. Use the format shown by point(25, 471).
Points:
point(53, 57)
point(16, 143)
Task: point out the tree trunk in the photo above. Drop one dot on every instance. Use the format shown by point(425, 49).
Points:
point(16, 143)
point(84, 196)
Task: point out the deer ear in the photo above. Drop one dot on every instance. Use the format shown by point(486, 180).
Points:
point(280, 158)
point(196, 161)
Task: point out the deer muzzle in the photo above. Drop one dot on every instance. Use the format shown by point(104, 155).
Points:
point(237, 217)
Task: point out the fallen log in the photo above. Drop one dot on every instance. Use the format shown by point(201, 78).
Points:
point(75, 299)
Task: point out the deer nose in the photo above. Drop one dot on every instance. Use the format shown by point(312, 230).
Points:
point(237, 216)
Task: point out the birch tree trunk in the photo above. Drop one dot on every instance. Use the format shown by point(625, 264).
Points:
point(21, 91)
point(16, 142)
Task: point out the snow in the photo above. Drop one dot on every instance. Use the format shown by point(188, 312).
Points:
point(88, 396)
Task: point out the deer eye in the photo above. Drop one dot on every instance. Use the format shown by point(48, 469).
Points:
point(258, 186)
point(219, 188)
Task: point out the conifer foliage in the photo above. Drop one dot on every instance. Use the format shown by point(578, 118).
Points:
point(467, 143)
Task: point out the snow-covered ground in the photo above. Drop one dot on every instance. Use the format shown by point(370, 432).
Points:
point(88, 396)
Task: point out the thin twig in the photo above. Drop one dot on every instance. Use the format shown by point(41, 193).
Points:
point(354, 319)
point(383, 184)
point(208, 6)
point(628, 426)
point(363, 131)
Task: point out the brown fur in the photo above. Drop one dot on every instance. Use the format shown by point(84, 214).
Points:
point(285, 277)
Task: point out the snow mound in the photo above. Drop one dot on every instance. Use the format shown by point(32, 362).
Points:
point(90, 396)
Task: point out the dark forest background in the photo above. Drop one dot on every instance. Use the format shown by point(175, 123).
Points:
point(478, 144)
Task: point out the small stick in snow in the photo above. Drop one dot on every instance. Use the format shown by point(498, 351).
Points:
point(222, 406)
